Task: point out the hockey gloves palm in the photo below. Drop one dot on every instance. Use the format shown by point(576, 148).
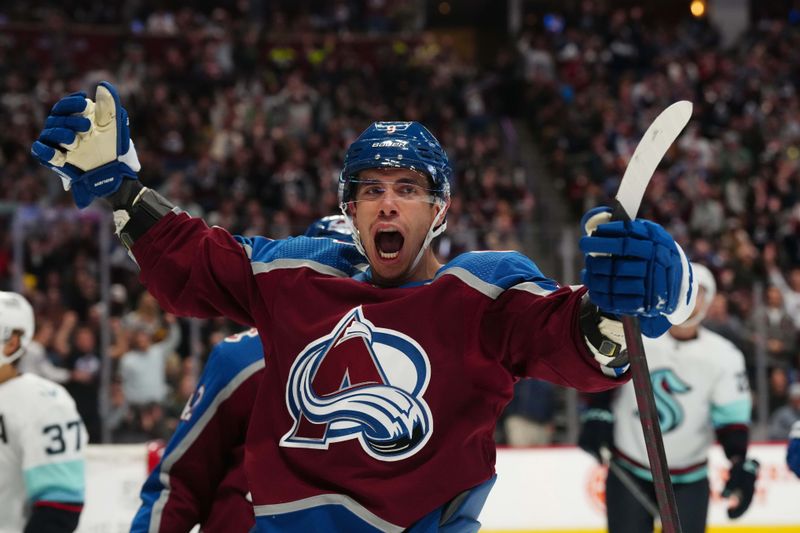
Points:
point(636, 268)
point(741, 485)
point(88, 144)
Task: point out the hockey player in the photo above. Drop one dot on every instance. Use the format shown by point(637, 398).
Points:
point(200, 478)
point(793, 451)
point(701, 389)
point(385, 377)
point(42, 438)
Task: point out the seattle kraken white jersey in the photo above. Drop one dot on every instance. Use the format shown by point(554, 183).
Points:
point(699, 385)
point(42, 443)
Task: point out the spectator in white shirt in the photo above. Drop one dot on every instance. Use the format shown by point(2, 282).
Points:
point(143, 368)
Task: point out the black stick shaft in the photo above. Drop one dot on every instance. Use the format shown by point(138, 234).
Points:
point(645, 401)
point(665, 495)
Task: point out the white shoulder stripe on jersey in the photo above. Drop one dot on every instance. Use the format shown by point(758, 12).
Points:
point(279, 264)
point(484, 287)
point(329, 499)
point(533, 288)
point(191, 436)
point(489, 289)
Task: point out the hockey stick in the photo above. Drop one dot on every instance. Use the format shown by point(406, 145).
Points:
point(649, 152)
point(630, 484)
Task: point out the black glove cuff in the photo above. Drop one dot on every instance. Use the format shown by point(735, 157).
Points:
point(138, 214)
point(588, 320)
point(123, 197)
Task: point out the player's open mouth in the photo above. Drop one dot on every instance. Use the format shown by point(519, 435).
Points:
point(388, 243)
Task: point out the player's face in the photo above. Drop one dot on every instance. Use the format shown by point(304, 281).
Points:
point(12, 344)
point(392, 212)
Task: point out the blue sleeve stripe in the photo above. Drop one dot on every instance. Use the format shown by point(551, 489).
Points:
point(61, 482)
point(737, 412)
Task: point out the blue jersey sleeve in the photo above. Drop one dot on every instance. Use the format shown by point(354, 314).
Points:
point(327, 256)
point(176, 494)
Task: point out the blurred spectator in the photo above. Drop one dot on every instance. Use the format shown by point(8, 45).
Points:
point(143, 368)
point(720, 320)
point(529, 416)
point(780, 333)
point(778, 388)
point(790, 292)
point(146, 316)
point(37, 360)
point(780, 423)
point(83, 362)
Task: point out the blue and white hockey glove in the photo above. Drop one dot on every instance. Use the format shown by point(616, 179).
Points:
point(88, 144)
point(793, 451)
point(636, 268)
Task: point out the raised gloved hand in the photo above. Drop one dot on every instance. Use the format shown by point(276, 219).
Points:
point(793, 451)
point(740, 486)
point(636, 268)
point(597, 431)
point(88, 144)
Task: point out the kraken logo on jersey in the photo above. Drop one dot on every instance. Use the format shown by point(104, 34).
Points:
point(360, 382)
point(666, 385)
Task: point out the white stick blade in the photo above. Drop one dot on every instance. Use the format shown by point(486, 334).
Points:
point(649, 152)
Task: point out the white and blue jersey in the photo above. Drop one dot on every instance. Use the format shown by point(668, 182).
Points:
point(42, 446)
point(701, 390)
point(201, 479)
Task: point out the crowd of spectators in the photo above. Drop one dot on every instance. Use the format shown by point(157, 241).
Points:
point(238, 126)
point(242, 118)
point(730, 192)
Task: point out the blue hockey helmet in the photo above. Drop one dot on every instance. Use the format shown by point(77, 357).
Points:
point(332, 226)
point(396, 145)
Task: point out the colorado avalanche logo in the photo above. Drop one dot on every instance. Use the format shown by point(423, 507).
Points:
point(360, 382)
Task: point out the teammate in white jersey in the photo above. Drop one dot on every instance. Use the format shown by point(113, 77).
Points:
point(701, 392)
point(42, 438)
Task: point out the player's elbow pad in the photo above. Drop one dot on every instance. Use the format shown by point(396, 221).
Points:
point(137, 209)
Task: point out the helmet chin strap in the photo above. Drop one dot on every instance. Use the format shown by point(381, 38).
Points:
point(353, 229)
point(433, 232)
point(8, 359)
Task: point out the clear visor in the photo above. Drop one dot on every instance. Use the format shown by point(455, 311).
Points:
point(370, 190)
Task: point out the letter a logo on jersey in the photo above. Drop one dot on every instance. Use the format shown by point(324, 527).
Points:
point(360, 382)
